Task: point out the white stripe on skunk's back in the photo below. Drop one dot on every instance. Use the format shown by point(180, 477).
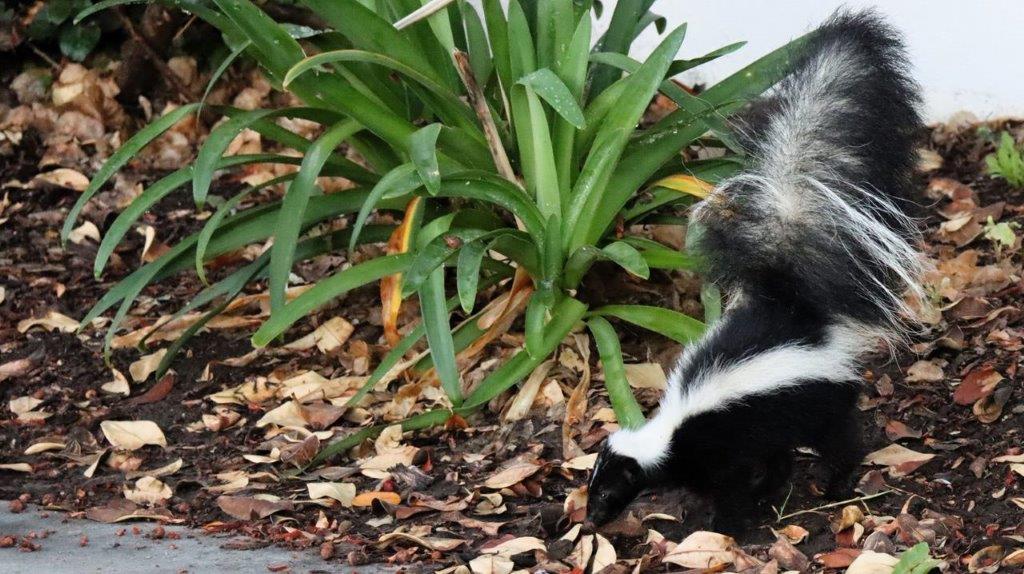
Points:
point(723, 385)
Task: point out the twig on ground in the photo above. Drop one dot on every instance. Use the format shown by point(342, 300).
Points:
point(835, 504)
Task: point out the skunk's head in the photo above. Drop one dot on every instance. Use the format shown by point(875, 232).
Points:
point(615, 482)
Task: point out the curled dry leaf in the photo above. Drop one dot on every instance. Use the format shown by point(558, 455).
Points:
point(16, 466)
point(165, 470)
point(986, 561)
point(841, 558)
point(851, 514)
point(51, 321)
point(44, 446)
point(343, 492)
point(575, 505)
point(131, 435)
point(703, 549)
point(793, 533)
point(118, 386)
point(585, 462)
point(490, 504)
point(330, 335)
point(86, 231)
point(288, 414)
point(14, 368)
point(977, 384)
point(23, 405)
point(428, 542)
point(148, 491)
point(787, 556)
point(141, 369)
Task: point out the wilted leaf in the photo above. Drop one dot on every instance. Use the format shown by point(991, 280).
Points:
point(840, 558)
point(703, 550)
point(329, 336)
point(87, 230)
point(44, 445)
point(117, 386)
point(165, 470)
point(428, 542)
point(14, 368)
point(131, 435)
point(585, 462)
point(795, 534)
point(16, 467)
point(289, 414)
point(977, 384)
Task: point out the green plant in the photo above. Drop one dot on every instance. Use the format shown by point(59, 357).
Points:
point(1007, 162)
point(486, 134)
point(1001, 234)
point(916, 561)
point(54, 22)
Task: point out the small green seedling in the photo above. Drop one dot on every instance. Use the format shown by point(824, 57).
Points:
point(916, 561)
point(1001, 234)
point(1007, 162)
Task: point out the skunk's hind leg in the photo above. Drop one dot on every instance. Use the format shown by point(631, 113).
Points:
point(841, 448)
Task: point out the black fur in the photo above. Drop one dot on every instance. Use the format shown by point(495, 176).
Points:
point(796, 281)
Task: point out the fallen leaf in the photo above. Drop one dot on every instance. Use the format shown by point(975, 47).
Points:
point(487, 564)
point(165, 470)
point(986, 561)
point(22, 405)
point(795, 534)
point(604, 554)
point(365, 499)
point(868, 562)
point(1009, 458)
point(87, 230)
point(515, 546)
point(343, 492)
point(840, 558)
point(141, 369)
point(516, 471)
point(646, 376)
point(924, 372)
point(131, 435)
point(15, 368)
point(428, 542)
point(63, 177)
point(16, 466)
point(148, 491)
point(287, 414)
point(52, 320)
point(157, 392)
point(44, 446)
point(585, 462)
point(117, 386)
point(897, 455)
point(330, 335)
point(977, 384)
point(250, 508)
point(703, 549)
point(119, 510)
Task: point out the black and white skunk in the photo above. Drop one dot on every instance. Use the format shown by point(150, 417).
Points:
point(814, 243)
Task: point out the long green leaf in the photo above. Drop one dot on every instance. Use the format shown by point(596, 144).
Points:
point(672, 324)
point(423, 151)
point(627, 411)
point(289, 222)
point(556, 94)
point(439, 334)
point(588, 194)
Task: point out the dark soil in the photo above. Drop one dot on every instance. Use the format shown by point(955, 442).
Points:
point(971, 496)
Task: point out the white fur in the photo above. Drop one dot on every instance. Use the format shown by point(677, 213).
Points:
point(724, 385)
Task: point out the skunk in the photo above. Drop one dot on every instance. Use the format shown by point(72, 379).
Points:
point(815, 244)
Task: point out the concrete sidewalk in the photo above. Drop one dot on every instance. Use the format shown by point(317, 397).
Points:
point(62, 552)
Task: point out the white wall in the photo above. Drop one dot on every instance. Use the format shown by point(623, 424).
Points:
point(967, 54)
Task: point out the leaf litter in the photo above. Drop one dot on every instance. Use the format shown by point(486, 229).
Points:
point(946, 467)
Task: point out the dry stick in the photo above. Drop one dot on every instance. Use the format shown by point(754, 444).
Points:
point(483, 113)
point(835, 504)
point(43, 55)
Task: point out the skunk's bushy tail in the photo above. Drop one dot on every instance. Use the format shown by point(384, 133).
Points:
point(821, 212)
